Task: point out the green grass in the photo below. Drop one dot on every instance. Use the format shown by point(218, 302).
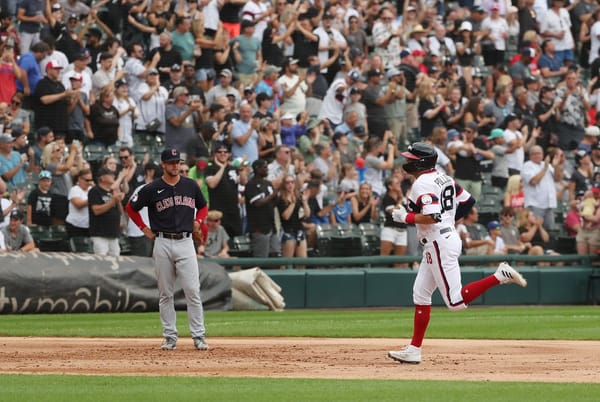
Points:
point(533, 322)
point(81, 389)
point(576, 323)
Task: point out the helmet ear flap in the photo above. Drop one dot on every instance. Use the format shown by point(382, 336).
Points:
point(426, 154)
point(410, 167)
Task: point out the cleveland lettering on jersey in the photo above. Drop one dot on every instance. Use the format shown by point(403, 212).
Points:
point(170, 202)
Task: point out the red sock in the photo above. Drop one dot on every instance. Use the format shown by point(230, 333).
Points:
point(473, 290)
point(421, 320)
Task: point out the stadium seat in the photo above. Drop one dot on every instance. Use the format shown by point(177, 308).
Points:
point(93, 152)
point(139, 151)
point(346, 240)
point(370, 238)
point(324, 232)
point(113, 149)
point(81, 244)
point(493, 193)
point(49, 238)
point(39, 232)
point(565, 245)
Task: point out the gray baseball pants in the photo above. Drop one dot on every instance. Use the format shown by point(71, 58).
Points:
point(176, 259)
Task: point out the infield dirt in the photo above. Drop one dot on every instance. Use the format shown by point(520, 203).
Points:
point(476, 360)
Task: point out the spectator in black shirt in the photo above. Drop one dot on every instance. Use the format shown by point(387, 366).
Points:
point(469, 151)
point(105, 210)
point(94, 45)
point(272, 42)
point(39, 201)
point(104, 119)
point(547, 112)
point(191, 83)
point(527, 20)
point(51, 100)
point(222, 180)
point(230, 17)
point(293, 209)
point(306, 43)
point(175, 80)
point(55, 25)
point(431, 107)
point(260, 207)
point(168, 56)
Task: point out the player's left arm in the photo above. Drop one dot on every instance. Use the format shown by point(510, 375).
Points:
point(200, 228)
point(464, 200)
point(463, 208)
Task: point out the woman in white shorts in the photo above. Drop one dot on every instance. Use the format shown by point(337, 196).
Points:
point(393, 234)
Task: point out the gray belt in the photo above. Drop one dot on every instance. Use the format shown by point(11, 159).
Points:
point(442, 231)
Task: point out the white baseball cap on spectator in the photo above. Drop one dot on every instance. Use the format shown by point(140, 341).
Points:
point(53, 63)
point(74, 75)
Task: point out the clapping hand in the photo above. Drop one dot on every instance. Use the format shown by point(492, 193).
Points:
point(17, 196)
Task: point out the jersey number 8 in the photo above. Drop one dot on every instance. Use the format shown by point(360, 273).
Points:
point(447, 200)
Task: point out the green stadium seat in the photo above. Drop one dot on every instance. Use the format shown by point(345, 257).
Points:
point(346, 240)
point(81, 244)
point(139, 151)
point(324, 233)
point(370, 238)
point(113, 149)
point(93, 152)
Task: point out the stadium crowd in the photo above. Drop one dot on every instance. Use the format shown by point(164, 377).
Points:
point(291, 116)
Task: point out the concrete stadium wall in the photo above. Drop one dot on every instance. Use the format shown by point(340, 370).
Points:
point(388, 287)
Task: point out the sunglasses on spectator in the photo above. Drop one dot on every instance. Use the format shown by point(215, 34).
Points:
point(182, 171)
point(16, 103)
point(122, 157)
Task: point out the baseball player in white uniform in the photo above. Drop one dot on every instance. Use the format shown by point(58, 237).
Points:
point(436, 201)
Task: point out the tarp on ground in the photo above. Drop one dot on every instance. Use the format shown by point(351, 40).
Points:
point(86, 283)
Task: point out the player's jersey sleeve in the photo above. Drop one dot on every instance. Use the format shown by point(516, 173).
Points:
point(462, 195)
point(141, 198)
point(425, 198)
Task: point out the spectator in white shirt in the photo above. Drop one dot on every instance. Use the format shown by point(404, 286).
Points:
point(539, 176)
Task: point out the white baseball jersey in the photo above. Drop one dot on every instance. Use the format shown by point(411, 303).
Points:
point(437, 193)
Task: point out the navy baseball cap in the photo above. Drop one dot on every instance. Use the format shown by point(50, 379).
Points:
point(17, 215)
point(170, 155)
point(353, 75)
point(492, 225)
